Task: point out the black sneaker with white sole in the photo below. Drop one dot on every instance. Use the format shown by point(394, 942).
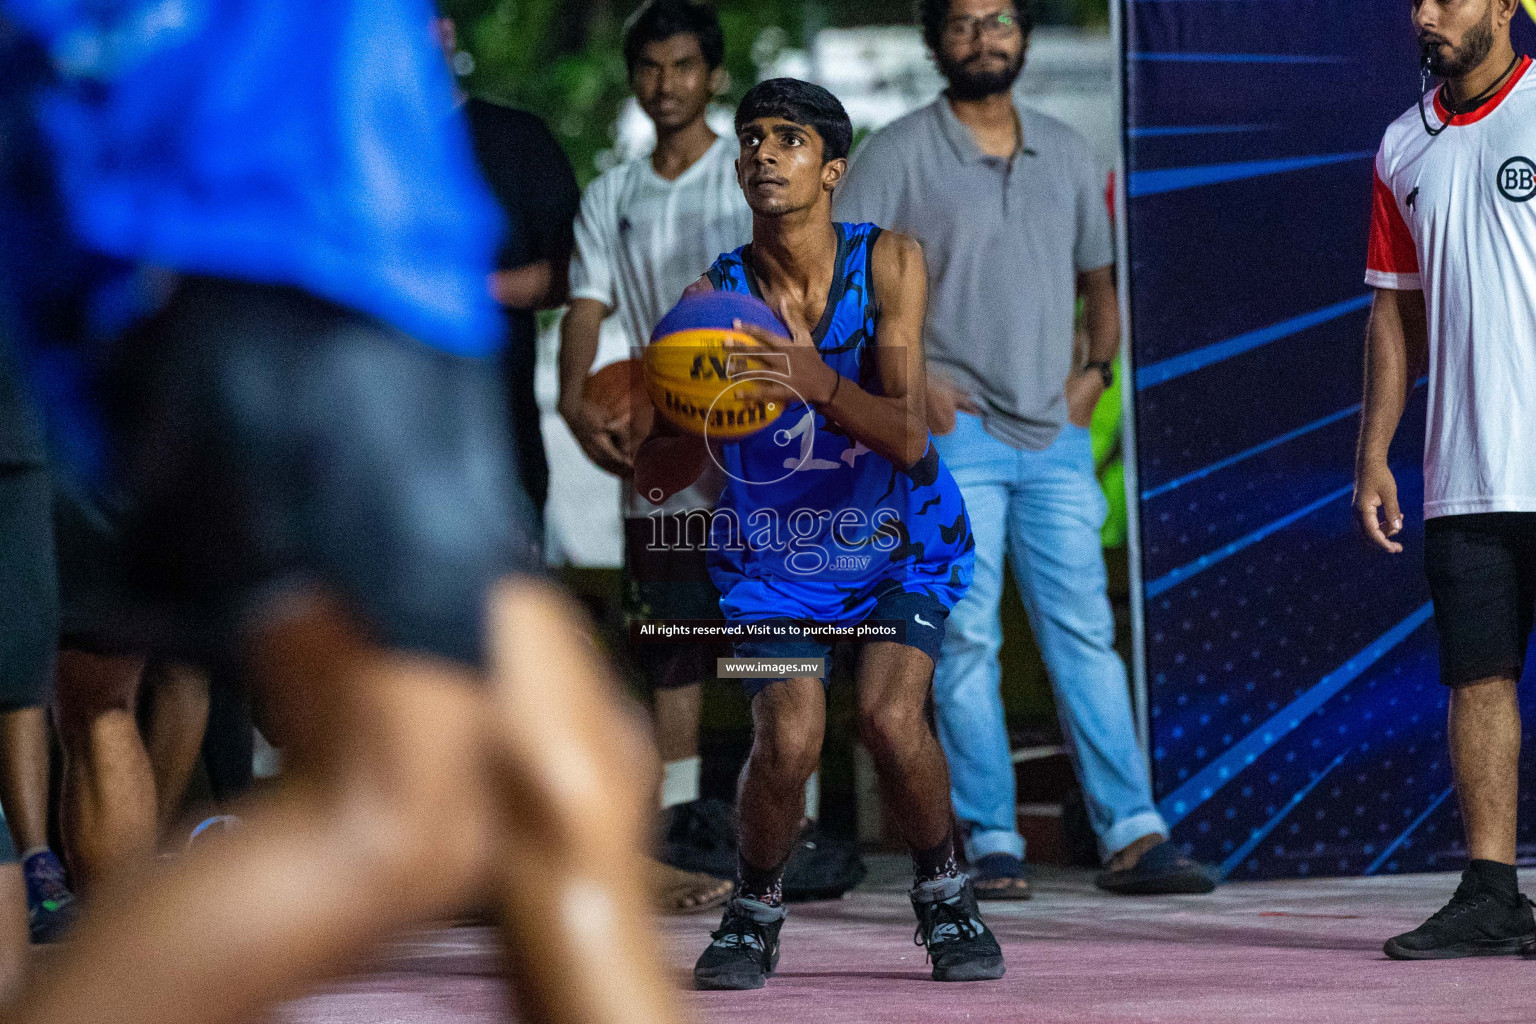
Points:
point(960, 945)
point(1478, 921)
point(745, 949)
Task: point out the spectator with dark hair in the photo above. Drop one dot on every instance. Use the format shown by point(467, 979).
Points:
point(790, 99)
point(647, 229)
point(934, 16)
point(656, 21)
point(1009, 207)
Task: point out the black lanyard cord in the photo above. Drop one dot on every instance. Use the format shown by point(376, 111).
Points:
point(1457, 109)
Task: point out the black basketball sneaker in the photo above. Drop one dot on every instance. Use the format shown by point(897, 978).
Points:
point(745, 949)
point(1478, 921)
point(960, 945)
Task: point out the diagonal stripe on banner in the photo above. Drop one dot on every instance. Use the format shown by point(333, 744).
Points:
point(1175, 179)
point(1259, 834)
point(1258, 449)
point(1169, 131)
point(1392, 847)
point(1185, 57)
point(1167, 582)
point(1247, 453)
point(1177, 805)
point(1177, 366)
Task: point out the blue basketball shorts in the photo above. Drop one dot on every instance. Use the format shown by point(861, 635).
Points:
point(917, 619)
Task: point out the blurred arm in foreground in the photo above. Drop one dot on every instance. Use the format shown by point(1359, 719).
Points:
point(452, 739)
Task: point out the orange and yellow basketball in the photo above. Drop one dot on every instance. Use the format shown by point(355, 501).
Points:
point(698, 384)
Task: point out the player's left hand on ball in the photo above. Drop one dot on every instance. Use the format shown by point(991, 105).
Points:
point(794, 369)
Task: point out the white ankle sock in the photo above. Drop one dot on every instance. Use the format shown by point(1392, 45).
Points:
point(680, 781)
point(813, 795)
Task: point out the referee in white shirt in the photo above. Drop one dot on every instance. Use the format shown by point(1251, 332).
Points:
point(1453, 261)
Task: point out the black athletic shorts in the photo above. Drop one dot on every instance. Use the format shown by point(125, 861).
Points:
point(270, 440)
point(666, 579)
point(95, 602)
point(1482, 576)
point(29, 591)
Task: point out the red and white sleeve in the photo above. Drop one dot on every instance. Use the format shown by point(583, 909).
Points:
point(1392, 260)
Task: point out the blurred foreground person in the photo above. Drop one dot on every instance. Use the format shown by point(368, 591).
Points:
point(175, 730)
point(28, 627)
point(121, 784)
point(534, 185)
point(117, 779)
point(24, 776)
point(29, 624)
point(311, 437)
point(14, 944)
point(1459, 303)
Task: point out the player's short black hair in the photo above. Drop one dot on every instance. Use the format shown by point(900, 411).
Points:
point(802, 103)
point(658, 20)
point(933, 15)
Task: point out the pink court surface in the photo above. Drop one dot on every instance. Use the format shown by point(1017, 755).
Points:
point(1273, 951)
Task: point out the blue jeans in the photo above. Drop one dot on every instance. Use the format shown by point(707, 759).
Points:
point(1044, 510)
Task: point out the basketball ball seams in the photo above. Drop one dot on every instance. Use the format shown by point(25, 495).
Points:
point(699, 370)
point(701, 386)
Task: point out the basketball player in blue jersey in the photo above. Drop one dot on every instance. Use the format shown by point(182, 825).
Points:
point(846, 517)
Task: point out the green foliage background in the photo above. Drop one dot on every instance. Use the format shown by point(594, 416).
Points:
point(562, 58)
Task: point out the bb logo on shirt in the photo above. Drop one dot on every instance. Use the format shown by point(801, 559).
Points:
point(1517, 179)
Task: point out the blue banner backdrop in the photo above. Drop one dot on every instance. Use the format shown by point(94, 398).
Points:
point(1297, 719)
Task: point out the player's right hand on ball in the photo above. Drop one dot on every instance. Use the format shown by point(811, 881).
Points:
point(1376, 509)
point(793, 368)
point(605, 439)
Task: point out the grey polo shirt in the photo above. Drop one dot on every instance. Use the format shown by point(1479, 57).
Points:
point(1004, 241)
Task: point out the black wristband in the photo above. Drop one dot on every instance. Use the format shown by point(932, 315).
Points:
point(1106, 370)
point(833, 396)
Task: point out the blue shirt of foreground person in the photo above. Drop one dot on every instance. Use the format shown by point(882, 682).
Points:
point(275, 142)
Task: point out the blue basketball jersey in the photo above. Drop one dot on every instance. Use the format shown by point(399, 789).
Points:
point(812, 524)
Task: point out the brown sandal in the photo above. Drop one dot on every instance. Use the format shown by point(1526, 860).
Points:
point(686, 892)
point(1000, 876)
point(1161, 871)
